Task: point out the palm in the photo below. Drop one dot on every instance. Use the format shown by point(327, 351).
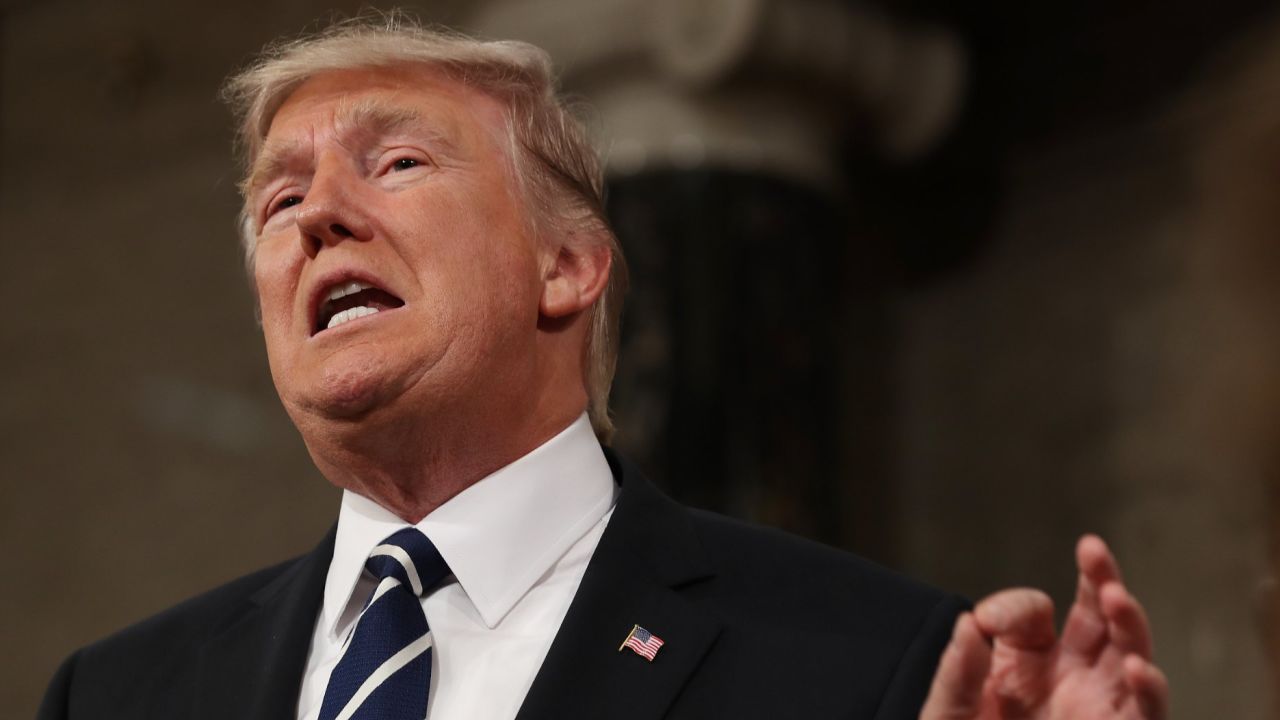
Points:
point(1064, 690)
point(1090, 693)
point(1099, 670)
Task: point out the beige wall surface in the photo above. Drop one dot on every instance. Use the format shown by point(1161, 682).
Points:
point(1093, 376)
point(143, 452)
point(1108, 363)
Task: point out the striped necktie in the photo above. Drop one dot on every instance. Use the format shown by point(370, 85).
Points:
point(385, 672)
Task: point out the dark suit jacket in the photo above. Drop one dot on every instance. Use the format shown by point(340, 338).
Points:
point(757, 624)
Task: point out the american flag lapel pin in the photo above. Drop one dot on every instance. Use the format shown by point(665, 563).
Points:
point(642, 642)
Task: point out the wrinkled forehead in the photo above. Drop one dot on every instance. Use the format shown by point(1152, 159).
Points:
point(374, 102)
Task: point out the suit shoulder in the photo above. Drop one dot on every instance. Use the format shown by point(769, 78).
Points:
point(156, 668)
point(181, 624)
point(774, 567)
point(853, 639)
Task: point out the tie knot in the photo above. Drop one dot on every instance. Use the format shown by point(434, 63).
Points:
point(409, 557)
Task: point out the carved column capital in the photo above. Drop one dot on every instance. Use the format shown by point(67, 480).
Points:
point(758, 85)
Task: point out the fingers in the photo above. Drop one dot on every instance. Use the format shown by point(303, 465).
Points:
point(1021, 623)
point(1127, 625)
point(956, 693)
point(1104, 654)
point(1149, 687)
point(1095, 560)
point(1085, 631)
point(1021, 618)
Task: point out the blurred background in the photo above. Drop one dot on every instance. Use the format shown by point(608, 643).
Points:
point(946, 284)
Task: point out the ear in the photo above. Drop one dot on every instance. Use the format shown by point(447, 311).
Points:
point(576, 278)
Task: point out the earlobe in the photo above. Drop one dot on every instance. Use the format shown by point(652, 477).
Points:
point(576, 280)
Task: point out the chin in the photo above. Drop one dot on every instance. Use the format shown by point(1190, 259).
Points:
point(346, 393)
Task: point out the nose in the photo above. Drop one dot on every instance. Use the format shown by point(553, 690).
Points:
point(331, 211)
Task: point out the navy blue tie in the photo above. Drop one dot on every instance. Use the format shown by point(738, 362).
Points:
point(385, 672)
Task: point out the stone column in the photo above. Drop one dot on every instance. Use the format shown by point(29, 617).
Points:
point(756, 353)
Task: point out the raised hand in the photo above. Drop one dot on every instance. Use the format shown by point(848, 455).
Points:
point(1005, 661)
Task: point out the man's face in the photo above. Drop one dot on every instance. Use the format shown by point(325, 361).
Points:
point(394, 265)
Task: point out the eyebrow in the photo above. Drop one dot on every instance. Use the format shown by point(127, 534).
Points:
point(367, 118)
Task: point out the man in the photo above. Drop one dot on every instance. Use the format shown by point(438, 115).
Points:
point(439, 294)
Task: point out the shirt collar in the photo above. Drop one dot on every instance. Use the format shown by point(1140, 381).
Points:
point(499, 535)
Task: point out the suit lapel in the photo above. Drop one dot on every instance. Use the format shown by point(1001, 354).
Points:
point(648, 554)
point(253, 662)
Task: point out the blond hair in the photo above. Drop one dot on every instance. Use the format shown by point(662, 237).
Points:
point(556, 168)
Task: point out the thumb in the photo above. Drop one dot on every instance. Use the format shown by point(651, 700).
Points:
point(956, 693)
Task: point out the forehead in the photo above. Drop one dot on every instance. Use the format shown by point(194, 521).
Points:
point(378, 101)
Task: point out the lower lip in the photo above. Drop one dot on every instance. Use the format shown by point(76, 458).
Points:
point(358, 322)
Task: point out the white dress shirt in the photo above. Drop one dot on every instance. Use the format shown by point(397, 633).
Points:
point(517, 542)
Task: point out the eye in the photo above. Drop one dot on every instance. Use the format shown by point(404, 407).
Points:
point(398, 159)
point(285, 202)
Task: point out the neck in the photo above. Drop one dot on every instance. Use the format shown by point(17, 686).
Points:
point(411, 466)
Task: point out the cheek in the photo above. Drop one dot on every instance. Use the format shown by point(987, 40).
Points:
point(501, 283)
point(275, 286)
point(476, 253)
point(272, 305)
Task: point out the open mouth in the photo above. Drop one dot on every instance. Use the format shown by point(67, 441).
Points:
point(351, 301)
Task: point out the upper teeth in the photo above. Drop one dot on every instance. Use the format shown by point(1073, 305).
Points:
point(340, 291)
